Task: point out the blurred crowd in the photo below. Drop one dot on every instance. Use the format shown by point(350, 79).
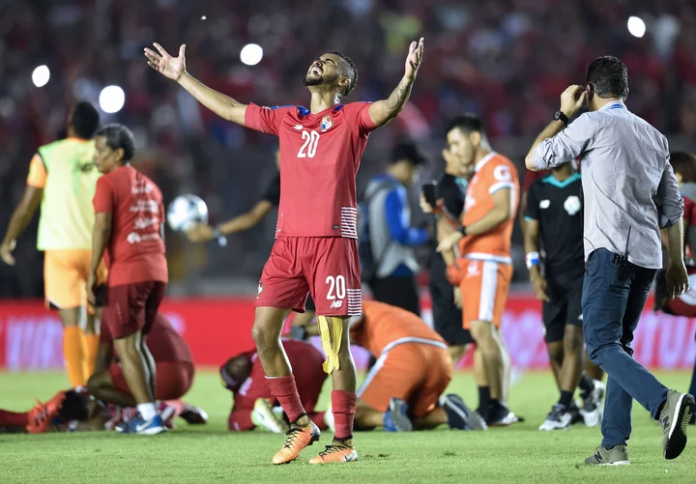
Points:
point(507, 60)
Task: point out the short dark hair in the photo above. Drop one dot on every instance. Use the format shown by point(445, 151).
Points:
point(467, 123)
point(407, 150)
point(118, 136)
point(685, 164)
point(84, 120)
point(351, 64)
point(608, 77)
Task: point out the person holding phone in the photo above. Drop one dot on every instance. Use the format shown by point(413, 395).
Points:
point(630, 195)
point(444, 199)
point(389, 233)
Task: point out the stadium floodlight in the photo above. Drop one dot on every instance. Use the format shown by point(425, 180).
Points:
point(636, 26)
point(40, 76)
point(112, 99)
point(251, 54)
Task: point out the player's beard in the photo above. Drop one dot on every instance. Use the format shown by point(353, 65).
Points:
point(310, 82)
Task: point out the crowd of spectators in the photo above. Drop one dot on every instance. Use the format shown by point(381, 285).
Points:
point(507, 60)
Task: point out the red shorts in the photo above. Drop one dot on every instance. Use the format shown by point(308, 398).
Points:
point(417, 373)
point(132, 307)
point(327, 267)
point(173, 379)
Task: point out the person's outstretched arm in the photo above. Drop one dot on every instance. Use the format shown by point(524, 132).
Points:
point(381, 112)
point(174, 68)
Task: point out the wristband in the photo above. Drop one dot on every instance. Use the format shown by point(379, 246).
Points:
point(217, 232)
point(462, 230)
point(533, 259)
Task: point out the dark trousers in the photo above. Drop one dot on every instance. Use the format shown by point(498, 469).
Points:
point(400, 291)
point(614, 295)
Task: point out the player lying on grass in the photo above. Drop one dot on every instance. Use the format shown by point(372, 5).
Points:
point(316, 248)
point(255, 406)
point(73, 410)
point(404, 389)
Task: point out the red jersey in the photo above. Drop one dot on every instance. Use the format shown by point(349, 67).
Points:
point(135, 250)
point(319, 159)
point(165, 344)
point(307, 364)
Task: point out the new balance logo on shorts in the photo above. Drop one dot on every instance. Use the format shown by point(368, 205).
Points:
point(336, 305)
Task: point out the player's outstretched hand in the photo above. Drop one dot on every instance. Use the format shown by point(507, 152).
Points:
point(200, 233)
point(165, 64)
point(572, 99)
point(6, 252)
point(415, 57)
point(677, 280)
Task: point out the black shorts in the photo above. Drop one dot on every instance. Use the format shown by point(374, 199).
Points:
point(564, 309)
point(447, 317)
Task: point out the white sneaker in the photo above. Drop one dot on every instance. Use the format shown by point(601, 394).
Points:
point(558, 419)
point(593, 405)
point(263, 417)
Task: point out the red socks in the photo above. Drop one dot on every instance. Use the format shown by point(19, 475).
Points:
point(285, 390)
point(343, 407)
point(12, 419)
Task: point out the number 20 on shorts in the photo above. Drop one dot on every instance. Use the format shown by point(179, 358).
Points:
point(337, 288)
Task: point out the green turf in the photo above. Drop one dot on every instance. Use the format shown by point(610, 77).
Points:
point(518, 454)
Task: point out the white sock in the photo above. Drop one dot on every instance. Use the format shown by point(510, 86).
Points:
point(147, 410)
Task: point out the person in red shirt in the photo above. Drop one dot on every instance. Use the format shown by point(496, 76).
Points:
point(128, 231)
point(173, 363)
point(253, 406)
point(316, 248)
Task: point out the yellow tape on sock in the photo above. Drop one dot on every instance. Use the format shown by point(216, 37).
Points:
point(331, 330)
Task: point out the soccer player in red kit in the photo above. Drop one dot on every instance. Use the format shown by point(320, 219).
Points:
point(128, 226)
point(316, 248)
point(244, 376)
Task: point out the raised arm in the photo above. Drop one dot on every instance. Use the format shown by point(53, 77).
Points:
point(174, 68)
point(564, 143)
point(381, 112)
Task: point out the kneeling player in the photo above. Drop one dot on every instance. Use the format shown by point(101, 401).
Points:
point(174, 368)
point(128, 226)
point(254, 404)
point(403, 389)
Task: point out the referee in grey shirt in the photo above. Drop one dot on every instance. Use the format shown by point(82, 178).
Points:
point(630, 193)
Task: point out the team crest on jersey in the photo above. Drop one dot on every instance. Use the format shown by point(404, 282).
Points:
point(572, 205)
point(326, 123)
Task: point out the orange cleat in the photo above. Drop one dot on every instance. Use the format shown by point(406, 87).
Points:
point(297, 438)
point(41, 415)
point(335, 454)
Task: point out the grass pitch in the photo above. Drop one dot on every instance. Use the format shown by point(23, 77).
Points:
point(208, 454)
